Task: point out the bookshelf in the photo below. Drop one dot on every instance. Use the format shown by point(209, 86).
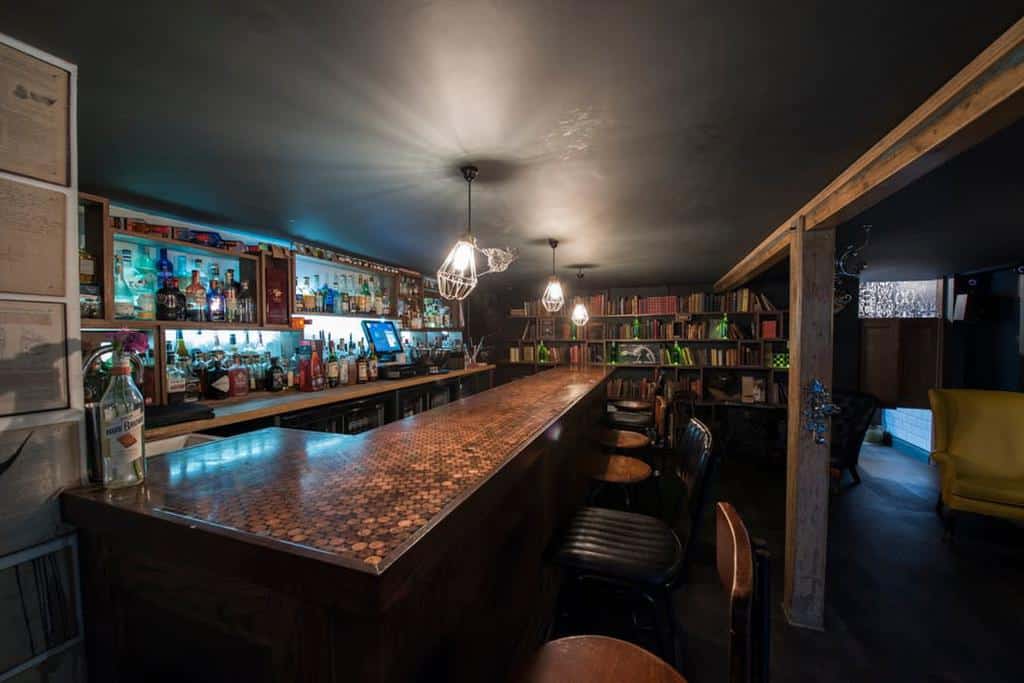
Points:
point(720, 347)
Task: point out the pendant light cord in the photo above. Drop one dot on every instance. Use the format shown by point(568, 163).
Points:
point(552, 261)
point(469, 192)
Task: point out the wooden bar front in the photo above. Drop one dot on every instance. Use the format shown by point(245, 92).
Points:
point(411, 552)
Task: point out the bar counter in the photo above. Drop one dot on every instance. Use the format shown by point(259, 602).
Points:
point(235, 411)
point(410, 552)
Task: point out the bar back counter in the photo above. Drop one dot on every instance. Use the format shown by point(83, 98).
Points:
point(410, 552)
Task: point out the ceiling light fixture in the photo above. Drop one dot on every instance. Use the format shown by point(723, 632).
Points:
point(580, 315)
point(457, 277)
point(554, 297)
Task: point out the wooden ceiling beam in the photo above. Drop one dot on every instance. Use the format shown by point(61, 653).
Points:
point(984, 97)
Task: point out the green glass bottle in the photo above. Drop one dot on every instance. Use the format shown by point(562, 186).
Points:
point(542, 352)
point(636, 328)
point(614, 353)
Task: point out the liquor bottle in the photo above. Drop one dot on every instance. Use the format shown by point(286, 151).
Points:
point(372, 364)
point(214, 272)
point(197, 264)
point(215, 302)
point(542, 352)
point(122, 410)
point(316, 369)
point(352, 361)
point(333, 371)
point(336, 299)
point(164, 269)
point(181, 269)
point(86, 261)
point(232, 349)
point(167, 300)
point(308, 297)
point(179, 300)
point(246, 304)
point(342, 366)
point(636, 328)
point(365, 295)
point(677, 353)
point(290, 371)
point(328, 297)
point(275, 379)
point(230, 297)
point(124, 299)
point(362, 369)
point(195, 300)
point(300, 299)
point(238, 377)
point(613, 353)
point(176, 381)
point(318, 295)
point(218, 383)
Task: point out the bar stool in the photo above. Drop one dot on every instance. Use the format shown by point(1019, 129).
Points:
point(613, 468)
point(597, 659)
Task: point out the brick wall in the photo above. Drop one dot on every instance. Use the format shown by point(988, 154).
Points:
point(912, 425)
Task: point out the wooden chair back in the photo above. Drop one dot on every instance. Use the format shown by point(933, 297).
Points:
point(735, 561)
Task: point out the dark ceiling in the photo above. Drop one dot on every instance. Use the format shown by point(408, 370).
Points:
point(965, 216)
point(660, 141)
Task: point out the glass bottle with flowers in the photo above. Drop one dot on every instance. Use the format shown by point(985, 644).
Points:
point(122, 414)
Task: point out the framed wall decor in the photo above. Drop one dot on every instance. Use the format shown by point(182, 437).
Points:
point(33, 357)
point(34, 117)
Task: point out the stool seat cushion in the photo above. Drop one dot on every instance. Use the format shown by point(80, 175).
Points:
point(622, 545)
point(625, 418)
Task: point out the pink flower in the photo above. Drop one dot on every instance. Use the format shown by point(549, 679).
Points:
point(127, 341)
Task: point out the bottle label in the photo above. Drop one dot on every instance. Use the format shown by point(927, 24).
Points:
point(175, 384)
point(342, 373)
point(86, 266)
point(124, 438)
point(124, 309)
point(333, 371)
point(222, 384)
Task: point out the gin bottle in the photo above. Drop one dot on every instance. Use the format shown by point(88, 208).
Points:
point(123, 413)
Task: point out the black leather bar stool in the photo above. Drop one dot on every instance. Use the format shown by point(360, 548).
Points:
point(644, 555)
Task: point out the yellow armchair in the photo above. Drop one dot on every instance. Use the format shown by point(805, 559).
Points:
point(978, 443)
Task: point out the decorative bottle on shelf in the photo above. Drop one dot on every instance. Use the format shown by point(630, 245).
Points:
point(318, 294)
point(308, 297)
point(275, 379)
point(164, 269)
point(231, 297)
point(167, 300)
point(218, 382)
point(300, 300)
point(613, 353)
point(179, 300)
point(372, 368)
point(333, 371)
point(677, 353)
point(122, 411)
point(124, 299)
point(195, 300)
point(542, 352)
point(636, 328)
point(215, 302)
point(246, 304)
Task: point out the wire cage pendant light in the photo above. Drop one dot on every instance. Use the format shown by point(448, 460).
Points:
point(554, 296)
point(580, 315)
point(457, 276)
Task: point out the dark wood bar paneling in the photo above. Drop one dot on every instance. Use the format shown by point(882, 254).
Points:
point(411, 552)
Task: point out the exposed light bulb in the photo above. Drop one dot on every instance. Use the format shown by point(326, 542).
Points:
point(456, 277)
point(553, 298)
point(580, 316)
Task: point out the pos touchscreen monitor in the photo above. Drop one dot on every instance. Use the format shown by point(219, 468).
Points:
point(383, 335)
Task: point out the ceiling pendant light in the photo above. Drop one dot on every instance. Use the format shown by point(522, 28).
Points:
point(456, 277)
point(554, 297)
point(580, 315)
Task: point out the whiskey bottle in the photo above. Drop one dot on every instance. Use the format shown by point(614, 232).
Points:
point(122, 410)
point(195, 300)
point(246, 304)
point(218, 383)
point(167, 300)
point(230, 297)
point(215, 302)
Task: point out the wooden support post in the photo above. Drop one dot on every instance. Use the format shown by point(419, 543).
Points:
point(812, 258)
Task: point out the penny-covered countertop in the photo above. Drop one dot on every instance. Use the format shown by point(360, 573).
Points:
point(234, 411)
point(356, 501)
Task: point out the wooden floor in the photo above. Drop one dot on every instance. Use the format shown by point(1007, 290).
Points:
point(901, 604)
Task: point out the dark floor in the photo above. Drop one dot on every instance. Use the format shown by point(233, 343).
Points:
point(902, 604)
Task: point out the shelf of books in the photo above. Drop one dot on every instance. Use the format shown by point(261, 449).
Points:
point(727, 348)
